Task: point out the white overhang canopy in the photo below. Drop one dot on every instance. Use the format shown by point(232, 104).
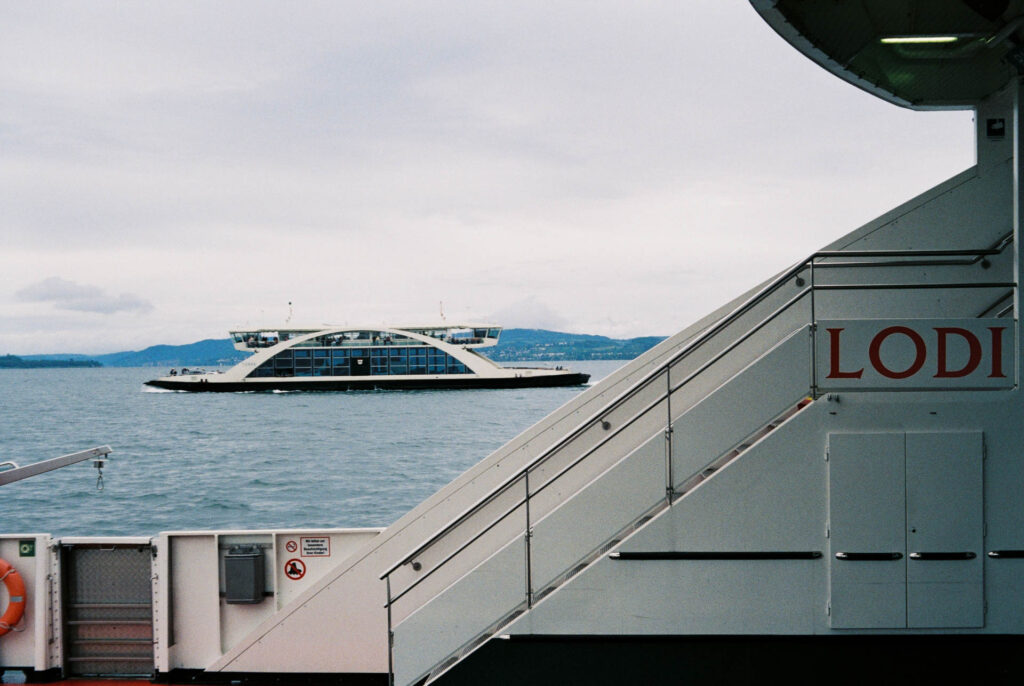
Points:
point(921, 54)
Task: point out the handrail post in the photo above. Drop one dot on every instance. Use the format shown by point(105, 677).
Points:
point(391, 636)
point(814, 332)
point(529, 547)
point(670, 491)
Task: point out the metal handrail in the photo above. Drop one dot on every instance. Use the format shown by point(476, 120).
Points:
point(664, 368)
point(612, 406)
point(697, 342)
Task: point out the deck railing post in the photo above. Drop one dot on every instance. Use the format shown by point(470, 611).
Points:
point(670, 491)
point(529, 547)
point(814, 333)
point(391, 636)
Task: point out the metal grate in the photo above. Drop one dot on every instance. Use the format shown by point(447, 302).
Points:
point(108, 610)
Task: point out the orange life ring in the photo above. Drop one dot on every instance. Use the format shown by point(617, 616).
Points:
point(16, 589)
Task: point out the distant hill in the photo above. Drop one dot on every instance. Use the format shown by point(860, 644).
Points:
point(540, 344)
point(209, 353)
point(15, 362)
point(515, 345)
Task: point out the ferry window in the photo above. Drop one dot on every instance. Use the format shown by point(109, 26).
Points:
point(398, 354)
point(321, 362)
point(326, 371)
point(304, 364)
point(282, 363)
point(341, 355)
point(493, 333)
point(379, 365)
point(301, 353)
point(399, 368)
point(321, 353)
point(358, 352)
point(339, 371)
point(436, 367)
point(418, 366)
point(378, 352)
point(303, 372)
point(283, 355)
point(265, 369)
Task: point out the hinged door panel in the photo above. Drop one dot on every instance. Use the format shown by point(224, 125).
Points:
point(944, 530)
point(867, 519)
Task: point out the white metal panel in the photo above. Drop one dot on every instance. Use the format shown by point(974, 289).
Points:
point(944, 516)
point(460, 613)
point(867, 516)
point(195, 602)
point(592, 516)
point(28, 647)
point(741, 406)
point(770, 499)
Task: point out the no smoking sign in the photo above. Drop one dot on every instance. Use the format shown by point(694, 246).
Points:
point(291, 546)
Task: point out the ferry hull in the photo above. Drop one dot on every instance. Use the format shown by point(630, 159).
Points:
point(209, 386)
point(713, 660)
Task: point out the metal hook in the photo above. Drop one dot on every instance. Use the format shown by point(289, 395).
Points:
point(99, 463)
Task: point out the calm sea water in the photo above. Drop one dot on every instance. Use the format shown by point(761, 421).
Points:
point(243, 460)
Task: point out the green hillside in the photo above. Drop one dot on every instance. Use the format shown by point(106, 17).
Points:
point(15, 362)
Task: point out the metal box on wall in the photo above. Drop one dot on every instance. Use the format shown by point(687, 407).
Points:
point(244, 575)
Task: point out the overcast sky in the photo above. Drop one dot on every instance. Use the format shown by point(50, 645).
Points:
point(170, 170)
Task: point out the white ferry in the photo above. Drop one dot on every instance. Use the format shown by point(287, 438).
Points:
point(820, 481)
point(355, 358)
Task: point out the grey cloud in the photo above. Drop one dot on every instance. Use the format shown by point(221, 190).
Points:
point(68, 295)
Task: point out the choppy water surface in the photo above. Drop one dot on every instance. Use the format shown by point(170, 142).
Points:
point(243, 460)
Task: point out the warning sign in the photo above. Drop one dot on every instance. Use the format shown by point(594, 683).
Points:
point(315, 546)
point(294, 569)
point(291, 546)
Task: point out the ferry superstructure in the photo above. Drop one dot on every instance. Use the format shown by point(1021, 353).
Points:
point(819, 481)
point(360, 358)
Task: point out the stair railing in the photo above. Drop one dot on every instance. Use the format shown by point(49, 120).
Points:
point(807, 288)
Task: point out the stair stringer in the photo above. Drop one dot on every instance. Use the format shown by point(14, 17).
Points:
point(593, 517)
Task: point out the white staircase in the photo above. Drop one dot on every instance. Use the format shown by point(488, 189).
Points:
point(626, 464)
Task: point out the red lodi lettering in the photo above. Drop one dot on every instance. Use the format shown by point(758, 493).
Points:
point(920, 349)
point(973, 360)
point(834, 372)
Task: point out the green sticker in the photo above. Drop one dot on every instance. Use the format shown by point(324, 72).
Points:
point(27, 548)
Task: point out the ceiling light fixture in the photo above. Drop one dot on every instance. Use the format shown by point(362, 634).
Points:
point(896, 40)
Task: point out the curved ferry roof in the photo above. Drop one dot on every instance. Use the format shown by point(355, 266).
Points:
point(367, 327)
point(921, 54)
